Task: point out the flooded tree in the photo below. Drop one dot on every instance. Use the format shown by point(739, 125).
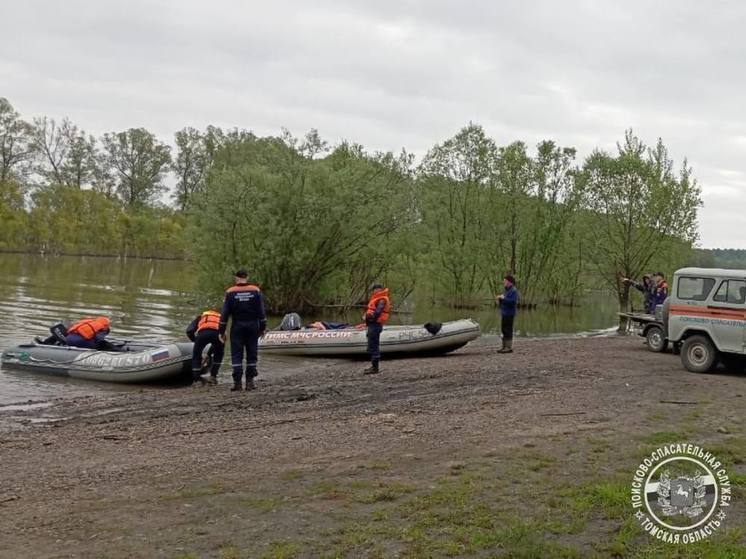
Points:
point(453, 196)
point(644, 210)
point(301, 224)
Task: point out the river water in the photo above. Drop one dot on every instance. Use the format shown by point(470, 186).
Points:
point(152, 299)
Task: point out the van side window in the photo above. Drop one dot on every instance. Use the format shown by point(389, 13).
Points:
point(731, 291)
point(694, 289)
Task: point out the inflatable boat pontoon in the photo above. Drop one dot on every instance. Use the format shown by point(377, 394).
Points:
point(351, 342)
point(132, 362)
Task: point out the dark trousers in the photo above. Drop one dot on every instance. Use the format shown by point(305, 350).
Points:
point(76, 340)
point(206, 337)
point(244, 339)
point(507, 327)
point(374, 341)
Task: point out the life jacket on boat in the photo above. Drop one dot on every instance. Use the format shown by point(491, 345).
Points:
point(209, 320)
point(379, 295)
point(87, 328)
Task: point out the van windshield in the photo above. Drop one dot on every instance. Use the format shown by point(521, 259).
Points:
point(694, 289)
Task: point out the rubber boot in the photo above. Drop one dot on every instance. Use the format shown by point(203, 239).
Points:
point(507, 347)
point(373, 369)
point(214, 370)
point(236, 386)
point(251, 374)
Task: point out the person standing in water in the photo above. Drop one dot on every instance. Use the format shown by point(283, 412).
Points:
point(508, 302)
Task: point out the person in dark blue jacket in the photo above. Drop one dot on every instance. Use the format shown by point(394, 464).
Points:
point(244, 304)
point(508, 302)
point(647, 288)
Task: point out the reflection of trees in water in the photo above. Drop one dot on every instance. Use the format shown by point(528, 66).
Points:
point(153, 298)
point(142, 297)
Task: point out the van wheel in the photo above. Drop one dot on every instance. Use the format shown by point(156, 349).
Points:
point(657, 341)
point(698, 355)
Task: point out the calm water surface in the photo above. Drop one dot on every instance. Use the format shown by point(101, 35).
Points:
point(151, 298)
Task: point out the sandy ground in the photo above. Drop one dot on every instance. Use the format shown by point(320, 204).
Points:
point(282, 471)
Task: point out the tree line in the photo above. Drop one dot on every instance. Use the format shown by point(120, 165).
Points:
point(317, 223)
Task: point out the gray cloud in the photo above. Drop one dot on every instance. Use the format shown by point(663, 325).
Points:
point(394, 74)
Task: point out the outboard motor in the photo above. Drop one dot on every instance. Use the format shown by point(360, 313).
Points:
point(290, 321)
point(59, 333)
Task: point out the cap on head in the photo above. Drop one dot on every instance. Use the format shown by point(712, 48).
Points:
point(376, 286)
point(242, 273)
point(660, 274)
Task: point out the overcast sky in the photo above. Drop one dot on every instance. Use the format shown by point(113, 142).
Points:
point(401, 73)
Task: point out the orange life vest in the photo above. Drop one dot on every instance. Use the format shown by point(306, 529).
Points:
point(209, 319)
point(89, 327)
point(380, 295)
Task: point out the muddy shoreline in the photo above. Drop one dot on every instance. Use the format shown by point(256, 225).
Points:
point(299, 467)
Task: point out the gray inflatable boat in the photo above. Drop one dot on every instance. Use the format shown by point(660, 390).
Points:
point(350, 342)
point(131, 362)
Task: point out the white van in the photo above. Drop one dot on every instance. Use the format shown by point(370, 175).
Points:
point(705, 315)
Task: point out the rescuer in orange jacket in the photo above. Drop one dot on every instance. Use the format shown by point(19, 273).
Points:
point(376, 315)
point(89, 333)
point(204, 331)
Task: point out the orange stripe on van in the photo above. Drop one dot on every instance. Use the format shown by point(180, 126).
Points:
point(712, 312)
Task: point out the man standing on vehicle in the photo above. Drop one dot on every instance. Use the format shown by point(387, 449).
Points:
point(508, 302)
point(661, 289)
point(376, 315)
point(243, 304)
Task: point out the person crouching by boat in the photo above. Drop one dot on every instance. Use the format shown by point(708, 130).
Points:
point(204, 330)
point(376, 315)
point(89, 333)
point(508, 302)
point(244, 304)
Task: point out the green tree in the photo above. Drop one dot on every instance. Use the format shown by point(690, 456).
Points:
point(302, 225)
point(15, 143)
point(13, 219)
point(139, 161)
point(645, 210)
point(191, 164)
point(546, 210)
point(68, 156)
point(452, 191)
